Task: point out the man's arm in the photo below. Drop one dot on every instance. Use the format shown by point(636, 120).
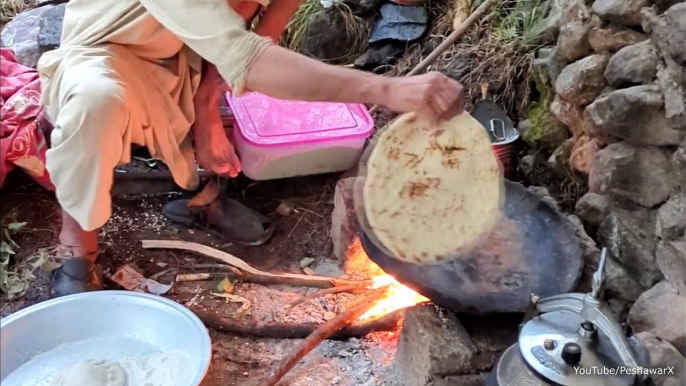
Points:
point(245, 60)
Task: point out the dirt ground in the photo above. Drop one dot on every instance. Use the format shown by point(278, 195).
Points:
point(238, 360)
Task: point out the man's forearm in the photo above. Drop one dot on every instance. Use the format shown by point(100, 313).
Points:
point(283, 74)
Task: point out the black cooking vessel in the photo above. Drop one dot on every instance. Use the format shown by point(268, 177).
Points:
point(547, 262)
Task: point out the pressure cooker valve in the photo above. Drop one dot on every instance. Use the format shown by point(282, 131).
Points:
point(571, 354)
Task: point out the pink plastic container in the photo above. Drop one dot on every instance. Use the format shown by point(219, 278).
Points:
point(279, 139)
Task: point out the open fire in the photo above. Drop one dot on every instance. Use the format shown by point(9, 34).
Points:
point(398, 296)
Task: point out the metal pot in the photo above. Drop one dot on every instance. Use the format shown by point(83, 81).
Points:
point(41, 340)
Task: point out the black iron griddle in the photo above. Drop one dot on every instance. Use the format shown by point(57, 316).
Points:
point(548, 262)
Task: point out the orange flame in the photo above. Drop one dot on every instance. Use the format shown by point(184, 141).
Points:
point(398, 296)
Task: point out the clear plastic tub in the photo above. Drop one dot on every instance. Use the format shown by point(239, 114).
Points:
point(279, 139)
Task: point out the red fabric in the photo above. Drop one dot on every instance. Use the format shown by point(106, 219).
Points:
point(22, 123)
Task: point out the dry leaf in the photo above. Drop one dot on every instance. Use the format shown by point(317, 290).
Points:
point(234, 299)
point(308, 271)
point(225, 286)
point(15, 226)
point(306, 262)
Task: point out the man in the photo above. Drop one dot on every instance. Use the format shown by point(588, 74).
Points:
point(132, 72)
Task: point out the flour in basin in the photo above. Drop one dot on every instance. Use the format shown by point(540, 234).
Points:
point(171, 368)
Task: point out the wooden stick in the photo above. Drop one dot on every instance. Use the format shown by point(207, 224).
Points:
point(388, 322)
point(449, 41)
point(249, 273)
point(334, 290)
point(322, 332)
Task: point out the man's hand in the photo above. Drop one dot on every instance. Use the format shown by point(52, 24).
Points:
point(433, 96)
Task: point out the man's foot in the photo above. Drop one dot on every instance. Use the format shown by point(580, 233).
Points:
point(76, 274)
point(77, 254)
point(213, 150)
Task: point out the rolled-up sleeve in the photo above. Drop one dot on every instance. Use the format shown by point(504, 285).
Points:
point(215, 32)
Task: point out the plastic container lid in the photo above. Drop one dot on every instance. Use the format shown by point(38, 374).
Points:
point(266, 121)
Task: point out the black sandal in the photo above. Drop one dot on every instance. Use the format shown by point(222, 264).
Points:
point(225, 218)
point(76, 275)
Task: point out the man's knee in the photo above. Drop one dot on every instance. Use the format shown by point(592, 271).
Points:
point(95, 108)
point(102, 97)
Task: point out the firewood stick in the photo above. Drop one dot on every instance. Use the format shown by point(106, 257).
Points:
point(249, 273)
point(334, 290)
point(449, 41)
point(322, 332)
point(388, 322)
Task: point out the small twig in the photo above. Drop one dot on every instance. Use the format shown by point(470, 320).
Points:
point(247, 272)
point(197, 277)
point(161, 273)
point(288, 238)
point(334, 290)
point(321, 333)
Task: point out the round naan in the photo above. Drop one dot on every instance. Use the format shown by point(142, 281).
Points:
point(432, 192)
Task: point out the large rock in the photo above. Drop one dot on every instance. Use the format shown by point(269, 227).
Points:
point(634, 114)
point(575, 23)
point(620, 290)
point(660, 311)
point(569, 114)
point(582, 81)
point(637, 173)
point(664, 356)
point(343, 218)
point(670, 74)
point(541, 130)
point(673, 84)
point(679, 168)
point(547, 66)
point(675, 18)
point(346, 244)
point(671, 259)
point(592, 208)
point(328, 36)
point(559, 161)
point(631, 65)
point(433, 345)
point(34, 32)
point(613, 37)
point(630, 236)
point(671, 218)
point(625, 12)
point(547, 30)
point(583, 153)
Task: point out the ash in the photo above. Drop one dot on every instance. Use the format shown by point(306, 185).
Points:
point(355, 362)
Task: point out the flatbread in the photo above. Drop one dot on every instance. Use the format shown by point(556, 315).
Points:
point(432, 192)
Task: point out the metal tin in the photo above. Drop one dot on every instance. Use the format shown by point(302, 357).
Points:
point(504, 136)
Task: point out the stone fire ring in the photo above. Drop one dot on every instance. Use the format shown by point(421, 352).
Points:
point(549, 263)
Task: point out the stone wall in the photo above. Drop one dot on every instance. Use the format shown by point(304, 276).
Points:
point(620, 93)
